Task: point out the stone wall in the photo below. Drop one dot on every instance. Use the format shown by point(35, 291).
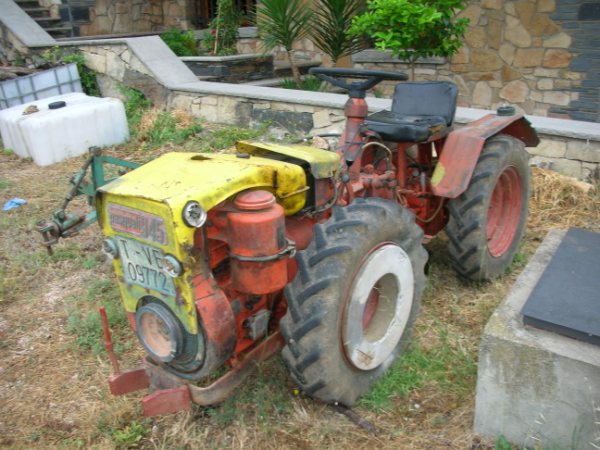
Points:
point(541, 56)
point(578, 158)
point(131, 16)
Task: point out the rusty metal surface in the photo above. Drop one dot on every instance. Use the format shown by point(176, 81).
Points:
point(463, 147)
point(221, 388)
point(130, 381)
point(108, 342)
point(167, 401)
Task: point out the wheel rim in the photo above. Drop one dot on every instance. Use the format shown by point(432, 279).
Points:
point(157, 335)
point(504, 212)
point(378, 307)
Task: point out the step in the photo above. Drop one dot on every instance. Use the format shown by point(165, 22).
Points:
point(27, 3)
point(47, 20)
point(37, 12)
point(59, 31)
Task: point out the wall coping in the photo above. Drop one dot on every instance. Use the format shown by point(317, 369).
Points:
point(372, 55)
point(24, 27)
point(218, 59)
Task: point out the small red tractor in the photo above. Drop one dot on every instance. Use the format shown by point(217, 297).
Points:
point(225, 259)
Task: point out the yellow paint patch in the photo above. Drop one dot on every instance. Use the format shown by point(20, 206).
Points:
point(438, 174)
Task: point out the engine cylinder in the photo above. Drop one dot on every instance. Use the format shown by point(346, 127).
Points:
point(256, 235)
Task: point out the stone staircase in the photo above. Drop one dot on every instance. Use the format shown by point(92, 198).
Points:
point(55, 26)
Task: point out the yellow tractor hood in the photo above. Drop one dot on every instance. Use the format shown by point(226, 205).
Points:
point(176, 178)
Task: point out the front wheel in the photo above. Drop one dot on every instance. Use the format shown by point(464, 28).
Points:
point(487, 221)
point(354, 300)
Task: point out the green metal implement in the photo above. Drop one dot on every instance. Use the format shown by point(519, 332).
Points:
point(66, 224)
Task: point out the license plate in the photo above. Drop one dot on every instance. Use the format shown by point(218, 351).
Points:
point(142, 265)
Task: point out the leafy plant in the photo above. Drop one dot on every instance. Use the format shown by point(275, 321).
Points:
point(181, 42)
point(222, 38)
point(332, 21)
point(502, 443)
point(309, 83)
point(283, 22)
point(57, 56)
point(129, 436)
point(135, 105)
point(413, 29)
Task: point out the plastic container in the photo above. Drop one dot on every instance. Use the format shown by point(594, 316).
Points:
point(52, 135)
point(49, 83)
point(11, 118)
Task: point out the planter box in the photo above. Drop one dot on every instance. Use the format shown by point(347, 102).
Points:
point(232, 69)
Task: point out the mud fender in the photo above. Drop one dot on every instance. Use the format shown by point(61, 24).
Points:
point(462, 148)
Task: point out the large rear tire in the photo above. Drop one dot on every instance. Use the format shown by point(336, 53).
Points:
point(353, 303)
point(487, 221)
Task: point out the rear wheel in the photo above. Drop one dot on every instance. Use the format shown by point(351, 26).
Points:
point(354, 300)
point(487, 221)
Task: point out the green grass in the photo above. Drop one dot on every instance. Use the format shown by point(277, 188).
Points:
point(262, 400)
point(4, 184)
point(84, 318)
point(447, 365)
point(223, 138)
point(135, 105)
point(165, 130)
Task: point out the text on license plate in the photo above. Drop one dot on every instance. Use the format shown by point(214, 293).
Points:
point(142, 265)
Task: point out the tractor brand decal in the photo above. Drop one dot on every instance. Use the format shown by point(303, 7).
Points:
point(137, 223)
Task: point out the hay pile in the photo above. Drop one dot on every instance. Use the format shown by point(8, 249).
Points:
point(558, 201)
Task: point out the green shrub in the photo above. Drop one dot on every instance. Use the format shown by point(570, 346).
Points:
point(182, 43)
point(57, 56)
point(221, 40)
point(135, 105)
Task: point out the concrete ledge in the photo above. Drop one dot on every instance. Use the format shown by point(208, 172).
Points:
point(535, 387)
point(22, 26)
point(372, 55)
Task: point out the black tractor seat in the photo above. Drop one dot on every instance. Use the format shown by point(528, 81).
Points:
point(419, 111)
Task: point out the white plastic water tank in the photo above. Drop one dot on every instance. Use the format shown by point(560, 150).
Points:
point(11, 118)
point(52, 135)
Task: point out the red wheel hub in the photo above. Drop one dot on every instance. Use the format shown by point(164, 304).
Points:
point(504, 213)
point(370, 308)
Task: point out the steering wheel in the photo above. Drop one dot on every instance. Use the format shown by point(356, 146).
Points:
point(356, 89)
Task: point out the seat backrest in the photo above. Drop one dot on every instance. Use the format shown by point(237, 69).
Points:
point(429, 98)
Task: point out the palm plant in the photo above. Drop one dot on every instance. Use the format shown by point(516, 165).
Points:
point(332, 21)
point(283, 22)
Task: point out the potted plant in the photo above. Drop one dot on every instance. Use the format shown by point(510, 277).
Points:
point(413, 29)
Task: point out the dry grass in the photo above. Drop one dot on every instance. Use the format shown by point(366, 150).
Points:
point(54, 395)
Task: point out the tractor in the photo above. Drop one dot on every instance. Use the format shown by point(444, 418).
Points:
point(223, 260)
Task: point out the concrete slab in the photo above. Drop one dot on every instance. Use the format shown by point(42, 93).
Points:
point(571, 274)
point(535, 387)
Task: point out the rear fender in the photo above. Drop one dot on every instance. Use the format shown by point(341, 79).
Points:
point(462, 148)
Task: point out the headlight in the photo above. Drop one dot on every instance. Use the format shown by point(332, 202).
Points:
point(110, 249)
point(171, 266)
point(193, 214)
point(159, 331)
